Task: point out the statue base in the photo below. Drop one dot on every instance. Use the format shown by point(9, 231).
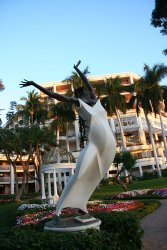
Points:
point(73, 224)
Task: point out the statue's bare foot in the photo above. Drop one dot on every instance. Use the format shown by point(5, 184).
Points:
point(57, 220)
point(82, 212)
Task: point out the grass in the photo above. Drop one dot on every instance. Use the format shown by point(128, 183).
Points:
point(107, 189)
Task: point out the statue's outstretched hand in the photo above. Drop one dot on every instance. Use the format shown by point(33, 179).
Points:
point(78, 63)
point(26, 83)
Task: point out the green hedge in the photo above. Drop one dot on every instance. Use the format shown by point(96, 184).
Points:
point(149, 207)
point(119, 231)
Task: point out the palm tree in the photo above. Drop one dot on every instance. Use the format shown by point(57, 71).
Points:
point(152, 78)
point(76, 82)
point(1, 89)
point(113, 101)
point(32, 109)
point(148, 96)
point(63, 115)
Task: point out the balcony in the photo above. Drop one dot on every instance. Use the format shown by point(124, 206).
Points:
point(20, 168)
point(129, 124)
point(5, 180)
point(4, 168)
point(29, 180)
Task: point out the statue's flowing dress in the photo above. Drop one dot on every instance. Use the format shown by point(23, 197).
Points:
point(94, 160)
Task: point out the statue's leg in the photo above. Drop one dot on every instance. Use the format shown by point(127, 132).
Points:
point(57, 219)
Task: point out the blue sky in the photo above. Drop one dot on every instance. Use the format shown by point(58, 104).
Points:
point(42, 39)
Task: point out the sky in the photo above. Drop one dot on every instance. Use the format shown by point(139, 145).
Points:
point(41, 40)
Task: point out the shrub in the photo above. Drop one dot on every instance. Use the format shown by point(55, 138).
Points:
point(148, 175)
point(164, 172)
point(118, 231)
point(149, 207)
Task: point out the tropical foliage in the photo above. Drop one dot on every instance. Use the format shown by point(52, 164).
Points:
point(126, 161)
point(113, 100)
point(25, 145)
point(159, 17)
point(32, 110)
point(149, 93)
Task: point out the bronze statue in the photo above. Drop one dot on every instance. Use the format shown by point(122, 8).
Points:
point(96, 157)
point(79, 93)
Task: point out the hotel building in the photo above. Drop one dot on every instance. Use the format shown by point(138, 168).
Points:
point(135, 132)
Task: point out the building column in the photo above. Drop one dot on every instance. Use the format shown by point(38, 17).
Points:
point(55, 183)
point(76, 126)
point(36, 184)
point(11, 180)
point(55, 196)
point(49, 187)
point(142, 135)
point(71, 171)
point(59, 182)
point(140, 171)
point(65, 179)
point(163, 159)
point(43, 186)
point(153, 167)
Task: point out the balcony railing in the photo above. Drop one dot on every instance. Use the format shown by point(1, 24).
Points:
point(20, 168)
point(5, 179)
point(5, 168)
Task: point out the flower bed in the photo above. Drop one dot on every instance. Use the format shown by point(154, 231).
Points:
point(140, 193)
point(35, 207)
point(42, 214)
point(161, 192)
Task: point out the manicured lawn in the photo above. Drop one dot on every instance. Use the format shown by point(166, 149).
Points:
point(112, 189)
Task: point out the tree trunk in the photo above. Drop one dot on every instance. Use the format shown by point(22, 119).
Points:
point(122, 184)
point(67, 142)
point(58, 143)
point(153, 145)
point(163, 134)
point(20, 191)
point(121, 130)
point(118, 180)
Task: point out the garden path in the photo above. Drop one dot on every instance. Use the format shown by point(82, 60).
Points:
point(155, 229)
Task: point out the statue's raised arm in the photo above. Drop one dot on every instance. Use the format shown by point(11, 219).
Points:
point(86, 81)
point(56, 96)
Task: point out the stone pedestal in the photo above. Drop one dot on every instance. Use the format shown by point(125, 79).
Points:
point(73, 224)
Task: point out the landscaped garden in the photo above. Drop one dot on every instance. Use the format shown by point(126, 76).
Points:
point(120, 212)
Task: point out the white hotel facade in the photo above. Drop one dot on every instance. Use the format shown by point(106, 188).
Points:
point(135, 132)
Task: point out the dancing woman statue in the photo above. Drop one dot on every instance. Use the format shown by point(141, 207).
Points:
point(96, 157)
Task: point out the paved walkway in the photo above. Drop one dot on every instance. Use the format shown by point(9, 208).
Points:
point(155, 229)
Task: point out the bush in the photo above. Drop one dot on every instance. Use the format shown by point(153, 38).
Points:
point(164, 172)
point(148, 175)
point(149, 207)
point(118, 231)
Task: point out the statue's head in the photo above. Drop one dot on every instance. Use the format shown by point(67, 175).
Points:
point(80, 93)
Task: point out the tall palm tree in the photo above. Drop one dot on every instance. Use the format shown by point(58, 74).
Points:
point(1, 89)
point(76, 82)
point(32, 109)
point(148, 95)
point(152, 78)
point(113, 101)
point(63, 115)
